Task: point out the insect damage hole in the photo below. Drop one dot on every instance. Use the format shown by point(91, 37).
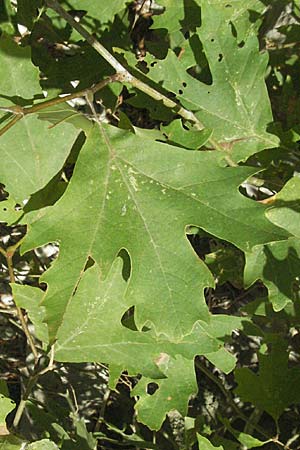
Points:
point(152, 388)
point(89, 263)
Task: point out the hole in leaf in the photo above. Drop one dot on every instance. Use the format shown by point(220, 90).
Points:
point(90, 262)
point(220, 57)
point(200, 243)
point(152, 388)
point(233, 30)
point(192, 16)
point(153, 63)
point(201, 70)
point(241, 44)
point(4, 209)
point(126, 270)
point(212, 40)
point(127, 319)
point(184, 84)
point(142, 66)
point(180, 91)
point(253, 15)
point(3, 193)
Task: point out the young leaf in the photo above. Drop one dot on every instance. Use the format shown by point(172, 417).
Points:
point(245, 439)
point(205, 444)
point(132, 186)
point(278, 266)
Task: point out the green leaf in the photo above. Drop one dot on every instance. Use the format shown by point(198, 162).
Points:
point(236, 105)
point(151, 409)
point(132, 186)
point(191, 139)
point(245, 439)
point(18, 77)
point(28, 298)
point(92, 329)
point(222, 359)
point(32, 153)
point(186, 15)
point(11, 442)
point(28, 11)
point(205, 444)
point(100, 9)
point(249, 441)
point(286, 210)
point(278, 266)
point(245, 16)
point(8, 211)
point(4, 388)
point(44, 444)
point(6, 406)
point(273, 388)
point(226, 263)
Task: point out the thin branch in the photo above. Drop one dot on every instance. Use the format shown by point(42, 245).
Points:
point(56, 101)
point(53, 4)
point(235, 408)
point(30, 385)
point(127, 77)
point(8, 254)
point(20, 111)
point(14, 120)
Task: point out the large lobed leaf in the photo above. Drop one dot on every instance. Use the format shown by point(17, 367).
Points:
point(92, 331)
point(235, 105)
point(142, 195)
point(273, 388)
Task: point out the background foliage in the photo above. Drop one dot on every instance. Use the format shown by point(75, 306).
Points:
point(149, 224)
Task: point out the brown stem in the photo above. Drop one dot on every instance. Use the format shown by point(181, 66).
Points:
point(30, 385)
point(53, 4)
point(8, 254)
point(20, 111)
point(125, 74)
point(14, 120)
point(66, 98)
